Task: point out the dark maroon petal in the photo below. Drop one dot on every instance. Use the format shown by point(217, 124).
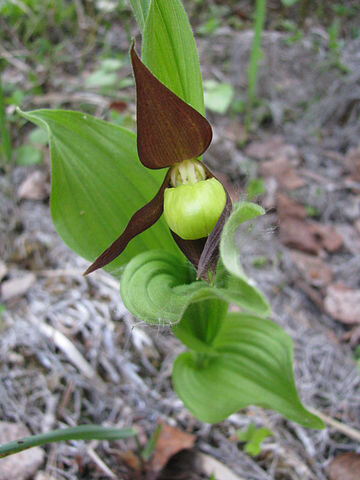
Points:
point(210, 254)
point(139, 222)
point(168, 129)
point(192, 249)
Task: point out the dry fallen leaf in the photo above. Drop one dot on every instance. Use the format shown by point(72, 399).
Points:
point(34, 187)
point(313, 269)
point(16, 287)
point(3, 270)
point(352, 163)
point(170, 441)
point(274, 147)
point(286, 207)
point(343, 303)
point(295, 233)
point(351, 238)
point(281, 169)
point(344, 467)
point(24, 464)
point(131, 459)
point(328, 236)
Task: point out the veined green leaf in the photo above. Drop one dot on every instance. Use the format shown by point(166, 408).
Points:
point(140, 8)
point(157, 287)
point(169, 51)
point(97, 184)
point(229, 254)
point(251, 364)
point(200, 324)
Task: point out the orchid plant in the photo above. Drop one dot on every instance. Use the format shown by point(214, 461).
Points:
point(171, 232)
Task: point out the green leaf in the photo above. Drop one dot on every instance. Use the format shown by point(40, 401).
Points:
point(251, 364)
point(200, 324)
point(101, 78)
point(254, 188)
point(169, 51)
point(82, 432)
point(243, 212)
point(157, 287)
point(28, 155)
point(218, 96)
point(141, 8)
point(252, 438)
point(288, 3)
point(97, 184)
point(38, 136)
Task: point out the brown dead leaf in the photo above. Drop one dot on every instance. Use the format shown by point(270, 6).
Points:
point(3, 270)
point(311, 292)
point(272, 148)
point(352, 336)
point(328, 236)
point(17, 287)
point(281, 169)
point(343, 303)
point(313, 269)
point(131, 459)
point(118, 105)
point(266, 149)
point(34, 187)
point(344, 467)
point(286, 207)
point(295, 233)
point(170, 441)
point(352, 163)
point(271, 187)
point(357, 226)
point(24, 464)
point(351, 238)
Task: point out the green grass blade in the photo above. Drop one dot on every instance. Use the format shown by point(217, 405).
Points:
point(82, 432)
point(255, 56)
point(5, 137)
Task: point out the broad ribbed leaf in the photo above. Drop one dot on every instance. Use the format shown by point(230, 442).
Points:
point(169, 51)
point(141, 8)
point(97, 184)
point(157, 287)
point(229, 253)
point(200, 324)
point(251, 364)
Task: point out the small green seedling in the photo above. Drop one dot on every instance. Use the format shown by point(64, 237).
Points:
point(252, 438)
point(254, 188)
point(311, 211)
point(260, 262)
point(218, 96)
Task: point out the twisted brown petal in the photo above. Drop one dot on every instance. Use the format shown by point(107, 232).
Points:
point(139, 222)
point(168, 129)
point(210, 254)
point(192, 249)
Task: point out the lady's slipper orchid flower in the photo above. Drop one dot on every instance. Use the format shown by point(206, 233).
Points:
point(172, 134)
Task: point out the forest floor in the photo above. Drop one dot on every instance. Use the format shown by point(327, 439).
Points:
point(70, 353)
